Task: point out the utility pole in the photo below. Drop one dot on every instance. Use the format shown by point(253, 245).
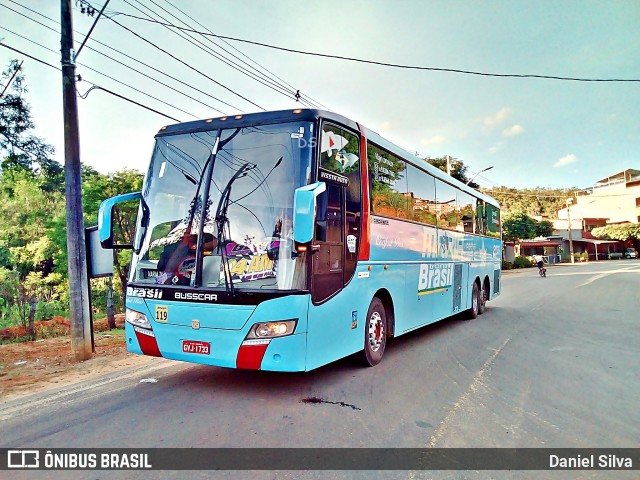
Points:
point(78, 278)
point(569, 202)
point(449, 165)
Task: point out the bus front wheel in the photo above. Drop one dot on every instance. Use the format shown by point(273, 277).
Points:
point(375, 334)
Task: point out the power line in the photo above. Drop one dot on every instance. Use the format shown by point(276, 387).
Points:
point(158, 81)
point(283, 82)
point(184, 63)
point(191, 39)
point(94, 85)
point(104, 74)
point(131, 58)
point(254, 75)
point(29, 56)
point(137, 71)
point(91, 29)
point(278, 86)
point(392, 65)
point(228, 104)
point(491, 191)
point(97, 87)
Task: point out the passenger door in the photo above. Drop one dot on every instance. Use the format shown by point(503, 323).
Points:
point(333, 328)
point(338, 216)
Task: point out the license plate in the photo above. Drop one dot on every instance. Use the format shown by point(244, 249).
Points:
point(151, 273)
point(193, 346)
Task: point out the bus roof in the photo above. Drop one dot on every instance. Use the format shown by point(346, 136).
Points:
point(249, 119)
point(306, 114)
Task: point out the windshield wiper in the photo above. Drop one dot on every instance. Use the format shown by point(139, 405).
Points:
point(205, 179)
point(222, 222)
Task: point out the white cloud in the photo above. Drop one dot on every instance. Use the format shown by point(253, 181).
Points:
point(512, 131)
point(437, 140)
point(498, 117)
point(566, 160)
point(495, 148)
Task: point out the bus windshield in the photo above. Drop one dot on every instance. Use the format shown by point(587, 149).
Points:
point(219, 209)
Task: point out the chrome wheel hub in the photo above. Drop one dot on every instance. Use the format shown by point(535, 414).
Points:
point(376, 331)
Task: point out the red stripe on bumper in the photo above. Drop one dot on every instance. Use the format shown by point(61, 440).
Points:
point(148, 345)
point(250, 356)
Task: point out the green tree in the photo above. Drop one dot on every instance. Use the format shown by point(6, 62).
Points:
point(458, 169)
point(536, 201)
point(544, 228)
point(518, 226)
point(21, 150)
point(23, 203)
point(622, 232)
point(96, 188)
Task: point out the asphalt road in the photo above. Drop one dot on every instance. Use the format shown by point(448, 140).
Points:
point(552, 363)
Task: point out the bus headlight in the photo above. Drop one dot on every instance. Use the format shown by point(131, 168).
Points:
point(137, 319)
point(272, 329)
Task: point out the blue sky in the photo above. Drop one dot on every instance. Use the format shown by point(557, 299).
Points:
point(533, 132)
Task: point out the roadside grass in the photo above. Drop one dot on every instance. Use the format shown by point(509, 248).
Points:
point(54, 328)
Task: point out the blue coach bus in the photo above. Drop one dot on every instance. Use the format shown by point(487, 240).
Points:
point(286, 240)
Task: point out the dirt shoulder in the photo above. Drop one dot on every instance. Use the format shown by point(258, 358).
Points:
point(33, 367)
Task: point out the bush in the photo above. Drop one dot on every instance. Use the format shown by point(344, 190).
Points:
point(507, 265)
point(521, 262)
point(47, 310)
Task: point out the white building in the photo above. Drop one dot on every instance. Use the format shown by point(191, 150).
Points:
point(614, 199)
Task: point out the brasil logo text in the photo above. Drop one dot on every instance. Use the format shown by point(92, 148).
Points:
point(434, 277)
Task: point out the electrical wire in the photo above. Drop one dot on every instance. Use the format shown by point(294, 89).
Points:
point(127, 56)
point(103, 74)
point(137, 71)
point(190, 39)
point(29, 56)
point(256, 75)
point(137, 35)
point(226, 103)
point(259, 77)
point(492, 191)
point(312, 101)
point(94, 86)
point(391, 65)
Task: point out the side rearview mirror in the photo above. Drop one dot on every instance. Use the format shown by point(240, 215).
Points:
point(305, 201)
point(105, 219)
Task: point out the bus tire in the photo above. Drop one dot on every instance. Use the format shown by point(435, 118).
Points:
point(375, 334)
point(484, 295)
point(475, 302)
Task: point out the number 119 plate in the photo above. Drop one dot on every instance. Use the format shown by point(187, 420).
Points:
point(193, 346)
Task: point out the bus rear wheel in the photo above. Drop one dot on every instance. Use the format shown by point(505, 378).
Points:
point(484, 295)
point(375, 334)
point(475, 302)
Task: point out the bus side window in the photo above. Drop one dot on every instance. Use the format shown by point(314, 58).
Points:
point(481, 219)
point(466, 204)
